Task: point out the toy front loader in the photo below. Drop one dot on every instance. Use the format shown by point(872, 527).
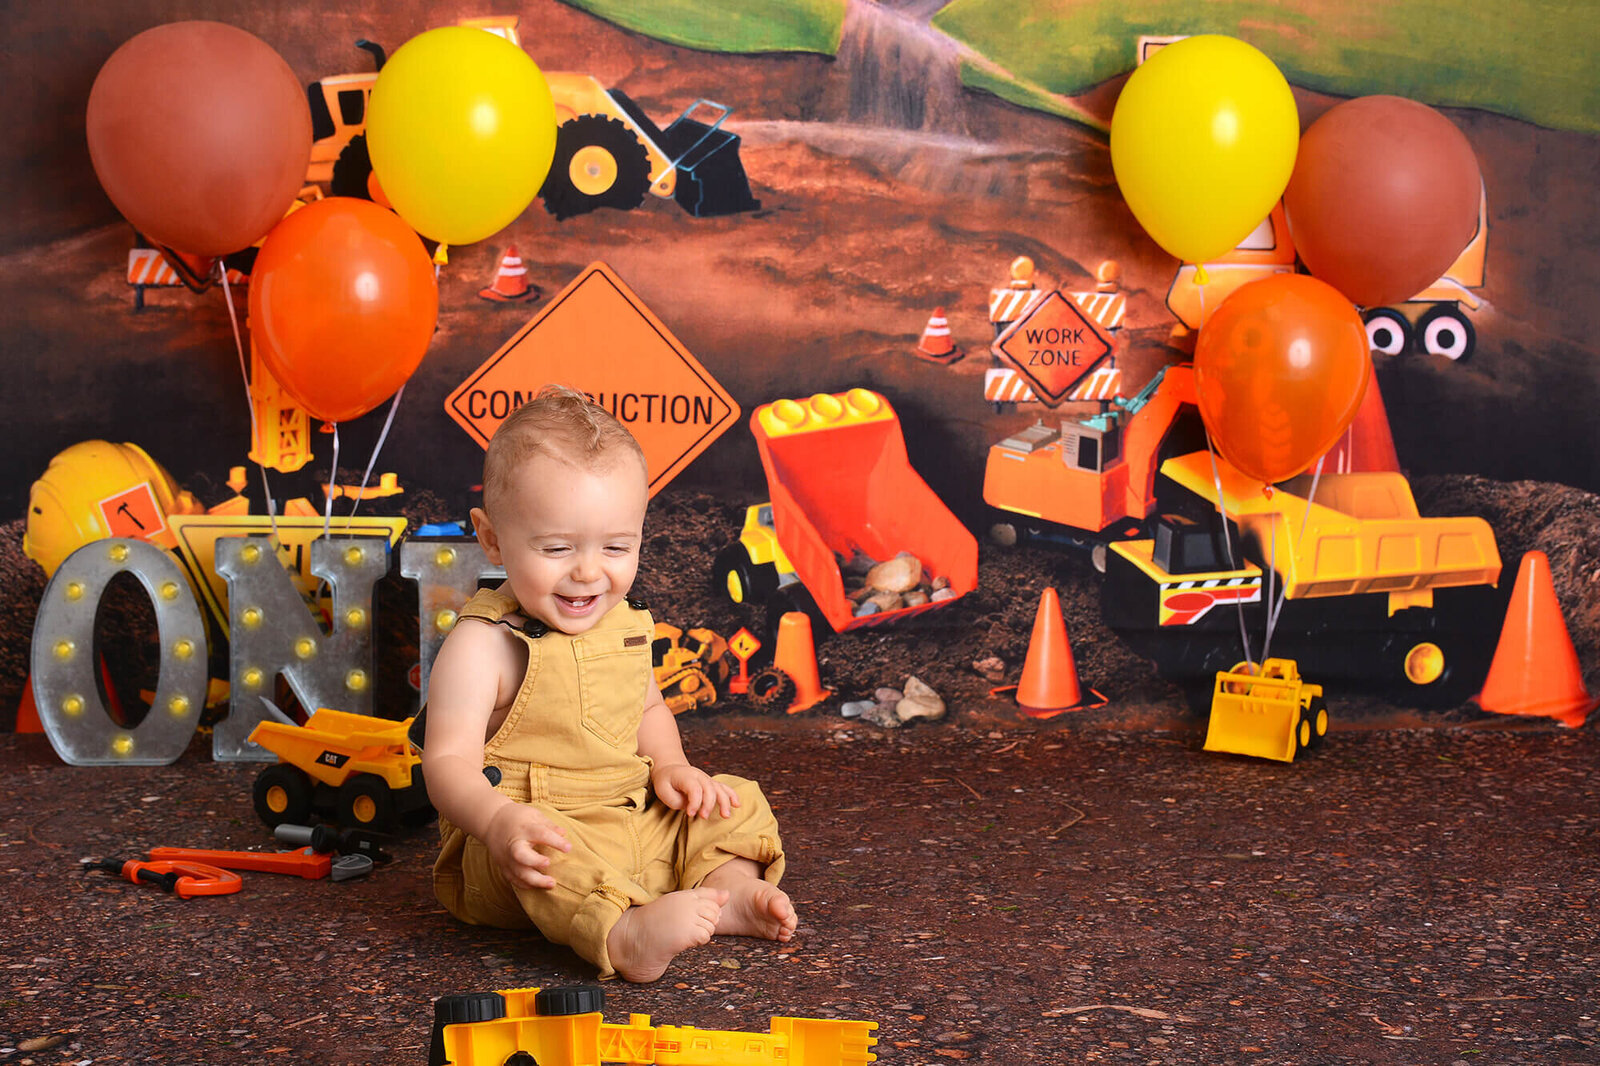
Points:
point(1266, 710)
point(841, 483)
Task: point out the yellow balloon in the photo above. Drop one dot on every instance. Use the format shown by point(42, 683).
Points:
point(1203, 141)
point(461, 129)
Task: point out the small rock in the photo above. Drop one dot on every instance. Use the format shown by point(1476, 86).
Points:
point(900, 574)
point(940, 582)
point(855, 708)
point(887, 695)
point(942, 594)
point(886, 600)
point(920, 702)
point(882, 716)
point(915, 598)
point(991, 668)
point(858, 565)
point(864, 609)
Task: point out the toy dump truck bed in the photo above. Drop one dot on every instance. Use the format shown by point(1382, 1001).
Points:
point(841, 482)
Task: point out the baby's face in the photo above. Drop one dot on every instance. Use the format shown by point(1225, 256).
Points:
point(569, 537)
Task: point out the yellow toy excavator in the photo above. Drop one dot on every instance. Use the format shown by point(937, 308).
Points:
point(609, 153)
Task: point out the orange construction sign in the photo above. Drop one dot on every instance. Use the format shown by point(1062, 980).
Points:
point(596, 335)
point(133, 512)
point(1054, 345)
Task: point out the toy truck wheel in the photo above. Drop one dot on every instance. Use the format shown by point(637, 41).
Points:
point(365, 802)
point(1387, 331)
point(569, 999)
point(460, 1010)
point(351, 170)
point(598, 163)
point(282, 795)
point(1445, 331)
point(735, 576)
point(1316, 719)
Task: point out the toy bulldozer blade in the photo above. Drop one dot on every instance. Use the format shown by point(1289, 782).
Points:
point(1266, 711)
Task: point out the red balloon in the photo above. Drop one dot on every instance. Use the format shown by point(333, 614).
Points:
point(200, 134)
point(342, 306)
point(1280, 370)
point(1384, 196)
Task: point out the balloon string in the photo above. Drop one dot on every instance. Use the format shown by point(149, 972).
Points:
point(250, 400)
point(1227, 540)
point(333, 478)
point(1305, 517)
point(394, 405)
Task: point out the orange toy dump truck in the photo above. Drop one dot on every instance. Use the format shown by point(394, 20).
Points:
point(841, 485)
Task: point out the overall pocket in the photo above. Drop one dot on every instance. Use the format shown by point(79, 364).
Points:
point(613, 677)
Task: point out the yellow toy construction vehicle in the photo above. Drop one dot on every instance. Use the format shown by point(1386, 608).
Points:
point(1266, 710)
point(361, 770)
point(564, 1027)
point(689, 665)
point(608, 151)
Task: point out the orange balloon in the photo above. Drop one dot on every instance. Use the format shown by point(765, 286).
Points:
point(1280, 370)
point(343, 303)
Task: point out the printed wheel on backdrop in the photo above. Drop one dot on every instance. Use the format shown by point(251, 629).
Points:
point(1388, 331)
point(772, 688)
point(598, 163)
point(1445, 331)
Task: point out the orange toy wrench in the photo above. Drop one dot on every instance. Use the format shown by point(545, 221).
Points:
point(187, 879)
point(305, 864)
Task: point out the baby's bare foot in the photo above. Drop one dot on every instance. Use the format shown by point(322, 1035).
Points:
point(757, 908)
point(646, 939)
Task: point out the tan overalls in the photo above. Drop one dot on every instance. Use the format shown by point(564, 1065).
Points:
point(569, 746)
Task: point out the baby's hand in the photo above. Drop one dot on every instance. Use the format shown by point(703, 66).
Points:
point(515, 834)
point(691, 790)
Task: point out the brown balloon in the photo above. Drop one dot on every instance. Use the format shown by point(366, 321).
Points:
point(1383, 197)
point(200, 134)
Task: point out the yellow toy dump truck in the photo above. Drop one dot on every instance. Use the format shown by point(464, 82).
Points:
point(563, 1027)
point(1266, 710)
point(1376, 597)
point(361, 771)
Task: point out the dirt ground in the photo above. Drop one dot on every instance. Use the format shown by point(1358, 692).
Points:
point(1027, 895)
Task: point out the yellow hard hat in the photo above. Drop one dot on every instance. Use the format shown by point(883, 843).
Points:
point(96, 489)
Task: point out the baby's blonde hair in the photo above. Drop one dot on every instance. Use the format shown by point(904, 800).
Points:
point(562, 422)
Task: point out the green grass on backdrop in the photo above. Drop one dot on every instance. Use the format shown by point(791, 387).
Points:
point(730, 25)
point(1534, 60)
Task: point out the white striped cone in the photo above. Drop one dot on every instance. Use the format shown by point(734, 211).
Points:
point(511, 282)
point(936, 343)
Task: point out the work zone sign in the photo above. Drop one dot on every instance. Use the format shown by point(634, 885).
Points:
point(1054, 345)
point(597, 336)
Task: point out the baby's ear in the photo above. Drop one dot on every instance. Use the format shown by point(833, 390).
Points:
point(486, 535)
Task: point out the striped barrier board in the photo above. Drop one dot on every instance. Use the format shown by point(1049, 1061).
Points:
point(1005, 385)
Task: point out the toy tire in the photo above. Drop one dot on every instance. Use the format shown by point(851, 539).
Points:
point(569, 999)
point(1388, 331)
point(282, 795)
point(737, 579)
point(351, 170)
point(1318, 715)
point(365, 802)
point(1445, 331)
point(459, 1009)
point(772, 687)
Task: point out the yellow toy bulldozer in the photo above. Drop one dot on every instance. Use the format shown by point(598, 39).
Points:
point(1266, 710)
point(609, 153)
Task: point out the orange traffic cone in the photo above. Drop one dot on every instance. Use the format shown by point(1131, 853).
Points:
point(1368, 444)
point(1535, 667)
point(936, 344)
point(28, 711)
point(796, 655)
point(1049, 682)
point(511, 283)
